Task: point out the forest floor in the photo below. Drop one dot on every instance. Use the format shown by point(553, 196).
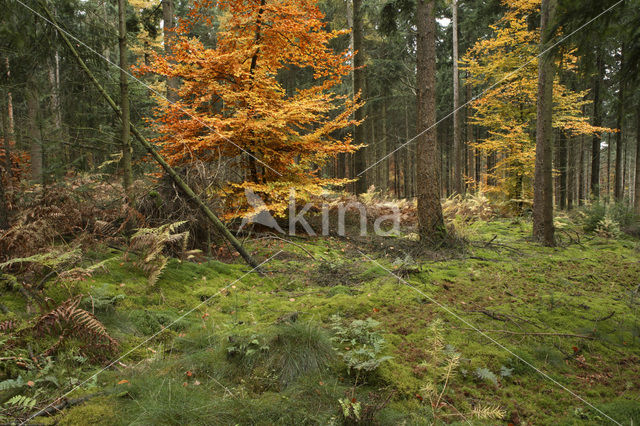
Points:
point(538, 335)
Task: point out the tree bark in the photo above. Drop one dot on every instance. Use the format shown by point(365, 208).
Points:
point(360, 163)
point(619, 188)
point(168, 17)
point(5, 142)
point(597, 121)
point(637, 191)
point(125, 131)
point(543, 230)
point(562, 168)
point(458, 185)
point(11, 122)
point(581, 173)
point(571, 173)
point(430, 220)
point(35, 139)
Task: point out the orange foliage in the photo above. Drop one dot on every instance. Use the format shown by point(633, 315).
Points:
point(232, 104)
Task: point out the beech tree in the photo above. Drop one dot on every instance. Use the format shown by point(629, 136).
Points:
point(232, 105)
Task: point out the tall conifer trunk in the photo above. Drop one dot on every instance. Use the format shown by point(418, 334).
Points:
point(543, 230)
point(125, 131)
point(430, 219)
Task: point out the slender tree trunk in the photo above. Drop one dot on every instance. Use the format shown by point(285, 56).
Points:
point(543, 184)
point(472, 154)
point(430, 220)
point(125, 132)
point(608, 168)
point(5, 141)
point(458, 185)
point(360, 163)
point(11, 122)
point(571, 173)
point(581, 173)
point(597, 121)
point(384, 145)
point(4, 213)
point(168, 17)
point(562, 168)
point(406, 156)
point(619, 188)
point(637, 191)
point(35, 139)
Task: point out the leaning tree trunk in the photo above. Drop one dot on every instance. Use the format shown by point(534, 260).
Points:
point(213, 219)
point(430, 220)
point(168, 17)
point(458, 186)
point(360, 162)
point(543, 182)
point(125, 134)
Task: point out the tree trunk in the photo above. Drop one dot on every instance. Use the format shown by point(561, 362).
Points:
point(458, 186)
point(619, 188)
point(543, 184)
point(360, 162)
point(581, 173)
point(168, 17)
point(125, 133)
point(406, 156)
point(571, 173)
point(11, 122)
point(4, 213)
point(35, 140)
point(430, 221)
point(562, 168)
point(637, 191)
point(597, 121)
point(608, 167)
point(384, 146)
point(5, 141)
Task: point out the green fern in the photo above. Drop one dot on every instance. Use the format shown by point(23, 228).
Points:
point(12, 384)
point(21, 402)
point(486, 374)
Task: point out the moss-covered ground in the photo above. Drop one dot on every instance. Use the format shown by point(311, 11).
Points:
point(549, 335)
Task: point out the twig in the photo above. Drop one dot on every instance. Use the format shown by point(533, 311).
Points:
point(491, 240)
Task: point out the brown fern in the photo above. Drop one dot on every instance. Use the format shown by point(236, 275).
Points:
point(69, 320)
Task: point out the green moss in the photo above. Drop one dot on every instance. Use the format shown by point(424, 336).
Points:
point(97, 411)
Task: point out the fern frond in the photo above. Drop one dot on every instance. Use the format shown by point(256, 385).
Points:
point(488, 412)
point(12, 384)
point(22, 402)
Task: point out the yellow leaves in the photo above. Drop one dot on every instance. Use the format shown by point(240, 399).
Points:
point(506, 67)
